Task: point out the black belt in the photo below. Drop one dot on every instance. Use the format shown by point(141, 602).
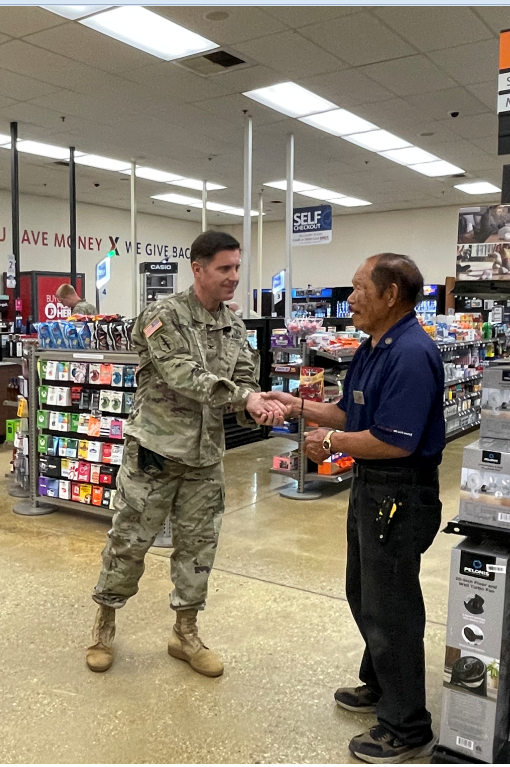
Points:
point(396, 475)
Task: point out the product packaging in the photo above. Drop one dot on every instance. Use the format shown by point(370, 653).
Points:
point(52, 395)
point(116, 398)
point(311, 384)
point(76, 392)
point(75, 422)
point(52, 488)
point(85, 399)
point(73, 470)
point(485, 483)
point(42, 443)
point(117, 375)
point(116, 428)
point(64, 467)
point(43, 395)
point(105, 426)
point(94, 451)
point(107, 452)
point(75, 492)
point(105, 374)
point(43, 485)
point(94, 373)
point(63, 396)
point(63, 421)
point(95, 471)
point(63, 371)
point(53, 446)
point(53, 467)
point(83, 423)
point(495, 413)
point(107, 475)
point(287, 462)
point(79, 372)
point(129, 376)
point(43, 464)
point(43, 419)
point(476, 692)
point(51, 370)
point(64, 489)
point(129, 401)
point(107, 496)
point(97, 495)
point(83, 449)
point(58, 340)
point(94, 426)
point(117, 453)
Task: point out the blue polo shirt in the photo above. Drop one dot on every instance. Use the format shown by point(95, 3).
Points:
point(396, 391)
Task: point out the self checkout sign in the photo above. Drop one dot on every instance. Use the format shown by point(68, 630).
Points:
point(312, 225)
point(504, 93)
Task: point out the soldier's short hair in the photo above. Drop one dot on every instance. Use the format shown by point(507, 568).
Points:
point(207, 244)
point(65, 291)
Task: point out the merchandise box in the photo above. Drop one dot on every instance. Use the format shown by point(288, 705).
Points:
point(289, 427)
point(43, 419)
point(117, 375)
point(53, 467)
point(72, 472)
point(94, 451)
point(53, 446)
point(64, 489)
point(43, 464)
point(95, 471)
point(485, 483)
point(97, 495)
point(76, 392)
point(105, 374)
point(52, 395)
point(476, 686)
point(51, 371)
point(281, 340)
point(64, 467)
point(74, 422)
point(130, 376)
point(107, 497)
point(63, 396)
point(43, 395)
point(43, 485)
point(63, 371)
point(495, 413)
point(85, 494)
point(75, 492)
point(288, 462)
point(79, 372)
point(42, 443)
point(107, 475)
point(52, 488)
point(83, 471)
point(116, 455)
point(94, 373)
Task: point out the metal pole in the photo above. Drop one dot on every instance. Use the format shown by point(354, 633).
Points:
point(288, 225)
point(260, 251)
point(15, 204)
point(72, 215)
point(134, 237)
point(246, 298)
point(204, 206)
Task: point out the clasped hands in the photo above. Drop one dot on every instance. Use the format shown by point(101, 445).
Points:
point(267, 411)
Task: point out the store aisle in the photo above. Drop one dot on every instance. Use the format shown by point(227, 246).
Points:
point(277, 614)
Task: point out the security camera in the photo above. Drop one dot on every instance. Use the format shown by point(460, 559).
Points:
point(454, 114)
point(188, 210)
point(96, 184)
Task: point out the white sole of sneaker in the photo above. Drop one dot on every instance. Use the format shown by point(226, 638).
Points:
point(356, 709)
point(415, 753)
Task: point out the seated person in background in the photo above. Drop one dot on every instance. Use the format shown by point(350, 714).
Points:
point(68, 296)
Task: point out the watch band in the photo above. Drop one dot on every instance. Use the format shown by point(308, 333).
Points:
point(326, 443)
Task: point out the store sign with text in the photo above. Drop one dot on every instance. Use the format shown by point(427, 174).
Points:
point(92, 243)
point(312, 225)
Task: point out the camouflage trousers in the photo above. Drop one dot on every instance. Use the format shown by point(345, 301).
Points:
point(194, 498)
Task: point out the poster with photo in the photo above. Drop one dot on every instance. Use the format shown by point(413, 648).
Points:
point(483, 243)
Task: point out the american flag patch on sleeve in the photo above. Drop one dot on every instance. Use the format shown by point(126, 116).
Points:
point(154, 325)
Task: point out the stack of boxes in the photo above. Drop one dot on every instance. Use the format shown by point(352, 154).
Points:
point(476, 694)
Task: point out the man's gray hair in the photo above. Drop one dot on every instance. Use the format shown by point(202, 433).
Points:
point(395, 269)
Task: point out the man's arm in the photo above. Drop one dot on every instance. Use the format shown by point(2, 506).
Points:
point(321, 413)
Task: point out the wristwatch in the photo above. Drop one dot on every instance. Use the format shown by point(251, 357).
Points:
point(326, 443)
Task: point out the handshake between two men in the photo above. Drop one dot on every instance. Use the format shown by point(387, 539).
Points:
point(273, 408)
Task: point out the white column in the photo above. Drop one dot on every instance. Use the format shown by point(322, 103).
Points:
point(260, 224)
point(246, 298)
point(204, 206)
point(288, 225)
point(134, 237)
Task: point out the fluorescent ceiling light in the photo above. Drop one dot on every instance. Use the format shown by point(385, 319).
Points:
point(5, 141)
point(290, 99)
point(438, 168)
point(478, 187)
point(75, 11)
point(44, 150)
point(216, 206)
point(297, 186)
point(178, 199)
point(351, 202)
point(195, 183)
point(339, 122)
point(321, 194)
point(378, 141)
point(105, 163)
point(410, 156)
point(240, 212)
point(143, 29)
point(152, 174)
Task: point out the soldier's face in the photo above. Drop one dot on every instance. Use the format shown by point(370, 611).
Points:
point(220, 277)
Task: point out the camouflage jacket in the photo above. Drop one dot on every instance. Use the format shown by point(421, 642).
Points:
point(83, 307)
point(191, 367)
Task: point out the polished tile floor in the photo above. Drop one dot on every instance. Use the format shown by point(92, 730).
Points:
point(276, 613)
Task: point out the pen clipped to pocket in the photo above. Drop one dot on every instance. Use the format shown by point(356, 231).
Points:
point(385, 516)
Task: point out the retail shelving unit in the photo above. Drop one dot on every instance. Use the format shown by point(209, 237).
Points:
point(301, 475)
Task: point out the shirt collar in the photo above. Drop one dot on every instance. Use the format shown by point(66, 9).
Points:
point(394, 333)
point(201, 315)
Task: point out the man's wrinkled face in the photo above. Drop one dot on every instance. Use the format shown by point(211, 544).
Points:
point(219, 278)
point(367, 307)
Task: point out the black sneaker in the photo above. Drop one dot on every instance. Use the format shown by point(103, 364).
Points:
point(378, 746)
point(360, 699)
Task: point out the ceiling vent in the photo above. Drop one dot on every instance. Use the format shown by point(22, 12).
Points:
point(213, 63)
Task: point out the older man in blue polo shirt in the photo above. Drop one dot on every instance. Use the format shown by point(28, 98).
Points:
point(391, 421)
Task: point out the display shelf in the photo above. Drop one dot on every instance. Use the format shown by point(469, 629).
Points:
point(327, 355)
point(314, 476)
point(290, 435)
point(465, 379)
point(10, 403)
point(286, 349)
point(87, 508)
point(285, 473)
point(453, 346)
point(457, 526)
point(460, 432)
point(291, 376)
point(95, 355)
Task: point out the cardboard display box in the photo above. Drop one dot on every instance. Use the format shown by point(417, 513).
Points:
point(485, 483)
point(495, 414)
point(476, 691)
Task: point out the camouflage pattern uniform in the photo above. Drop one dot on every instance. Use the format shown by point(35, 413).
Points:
point(83, 307)
point(192, 366)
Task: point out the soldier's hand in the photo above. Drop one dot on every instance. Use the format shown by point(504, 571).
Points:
point(266, 413)
point(292, 404)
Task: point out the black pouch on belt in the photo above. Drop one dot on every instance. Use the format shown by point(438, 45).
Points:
point(148, 460)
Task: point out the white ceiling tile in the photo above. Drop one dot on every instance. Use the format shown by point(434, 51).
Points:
point(231, 107)
point(82, 44)
point(6, 102)
point(442, 132)
point(485, 92)
point(477, 126)
point(431, 28)
point(496, 16)
point(4, 38)
point(19, 20)
point(347, 88)
point(246, 79)
point(476, 63)
point(357, 39)
point(170, 79)
point(439, 104)
point(20, 57)
point(302, 15)
point(489, 144)
point(23, 88)
point(409, 75)
point(392, 113)
point(290, 54)
point(243, 22)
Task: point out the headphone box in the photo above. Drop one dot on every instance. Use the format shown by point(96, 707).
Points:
point(476, 686)
point(495, 413)
point(485, 483)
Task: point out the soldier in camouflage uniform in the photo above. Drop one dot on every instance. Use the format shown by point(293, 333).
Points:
point(194, 361)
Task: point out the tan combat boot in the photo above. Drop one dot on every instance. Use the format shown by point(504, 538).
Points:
point(185, 644)
point(100, 653)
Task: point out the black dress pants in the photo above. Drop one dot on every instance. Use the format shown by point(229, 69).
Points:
point(384, 592)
